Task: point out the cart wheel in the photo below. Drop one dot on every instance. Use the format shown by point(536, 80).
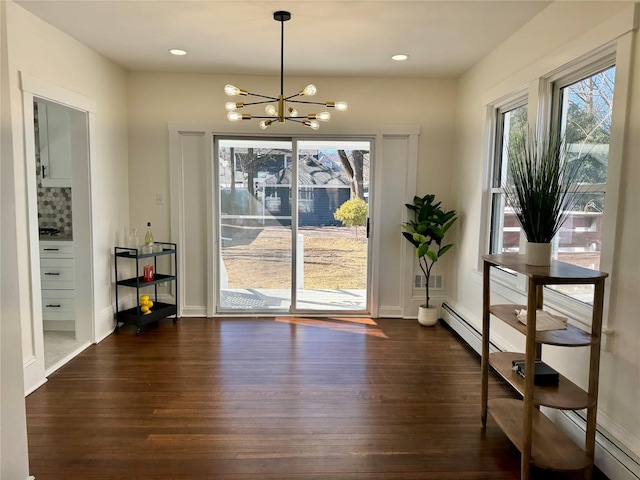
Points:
point(117, 328)
point(175, 320)
point(137, 332)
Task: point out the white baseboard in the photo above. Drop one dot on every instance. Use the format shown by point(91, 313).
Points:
point(193, 311)
point(611, 458)
point(35, 387)
point(389, 312)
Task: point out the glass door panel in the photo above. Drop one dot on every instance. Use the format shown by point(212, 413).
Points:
point(254, 227)
point(332, 245)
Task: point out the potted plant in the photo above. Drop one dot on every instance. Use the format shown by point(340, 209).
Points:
point(426, 233)
point(541, 190)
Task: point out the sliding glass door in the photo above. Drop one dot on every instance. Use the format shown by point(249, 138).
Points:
point(292, 225)
point(332, 244)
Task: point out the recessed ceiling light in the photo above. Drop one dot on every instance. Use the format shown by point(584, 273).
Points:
point(400, 57)
point(177, 51)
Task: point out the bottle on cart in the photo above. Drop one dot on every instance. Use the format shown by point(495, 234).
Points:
point(133, 238)
point(148, 238)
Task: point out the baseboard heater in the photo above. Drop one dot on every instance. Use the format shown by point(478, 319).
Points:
point(611, 459)
point(465, 330)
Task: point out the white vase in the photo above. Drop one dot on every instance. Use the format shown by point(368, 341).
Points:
point(427, 317)
point(538, 254)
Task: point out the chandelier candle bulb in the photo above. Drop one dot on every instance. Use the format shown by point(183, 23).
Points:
point(322, 116)
point(309, 90)
point(235, 116)
point(271, 111)
point(231, 90)
point(342, 106)
point(231, 106)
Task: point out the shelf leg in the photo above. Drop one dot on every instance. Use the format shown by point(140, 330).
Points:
point(594, 373)
point(534, 298)
point(485, 342)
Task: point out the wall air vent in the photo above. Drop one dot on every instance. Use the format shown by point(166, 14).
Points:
point(436, 282)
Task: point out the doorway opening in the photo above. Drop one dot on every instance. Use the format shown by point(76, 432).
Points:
point(292, 225)
point(60, 138)
point(58, 132)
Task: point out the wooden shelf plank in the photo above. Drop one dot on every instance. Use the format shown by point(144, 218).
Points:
point(566, 395)
point(571, 337)
point(556, 274)
point(551, 447)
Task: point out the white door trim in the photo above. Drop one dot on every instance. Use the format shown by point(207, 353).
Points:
point(34, 366)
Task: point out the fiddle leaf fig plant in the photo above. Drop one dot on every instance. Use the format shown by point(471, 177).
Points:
point(426, 231)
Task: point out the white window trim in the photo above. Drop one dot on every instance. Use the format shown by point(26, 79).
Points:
point(513, 100)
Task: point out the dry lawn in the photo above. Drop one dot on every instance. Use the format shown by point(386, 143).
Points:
point(260, 257)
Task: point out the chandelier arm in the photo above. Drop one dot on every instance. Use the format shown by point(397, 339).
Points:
point(261, 103)
point(307, 102)
point(272, 99)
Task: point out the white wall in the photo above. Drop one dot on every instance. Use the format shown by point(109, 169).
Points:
point(38, 49)
point(157, 99)
point(14, 461)
point(538, 48)
point(35, 48)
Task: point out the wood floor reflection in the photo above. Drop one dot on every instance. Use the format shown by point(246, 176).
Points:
point(277, 398)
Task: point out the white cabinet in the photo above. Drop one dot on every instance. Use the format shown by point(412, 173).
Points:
point(55, 140)
point(57, 278)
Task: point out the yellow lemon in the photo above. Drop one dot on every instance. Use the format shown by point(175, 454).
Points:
point(144, 309)
point(150, 304)
point(144, 298)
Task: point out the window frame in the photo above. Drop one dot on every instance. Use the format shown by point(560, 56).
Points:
point(542, 111)
point(513, 103)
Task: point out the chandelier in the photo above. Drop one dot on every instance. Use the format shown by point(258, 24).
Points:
point(281, 111)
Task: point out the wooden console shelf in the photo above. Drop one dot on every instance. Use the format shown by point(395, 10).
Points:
point(539, 440)
point(551, 448)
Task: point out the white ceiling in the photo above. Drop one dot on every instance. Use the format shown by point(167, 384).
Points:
point(354, 38)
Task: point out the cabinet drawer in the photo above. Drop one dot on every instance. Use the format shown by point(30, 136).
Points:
point(53, 249)
point(58, 305)
point(57, 273)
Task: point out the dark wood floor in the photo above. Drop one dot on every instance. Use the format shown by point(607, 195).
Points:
point(270, 399)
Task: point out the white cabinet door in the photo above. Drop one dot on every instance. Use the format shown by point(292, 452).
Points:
point(54, 129)
point(58, 305)
point(57, 274)
point(56, 249)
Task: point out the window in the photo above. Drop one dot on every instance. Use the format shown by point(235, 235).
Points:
point(581, 105)
point(505, 229)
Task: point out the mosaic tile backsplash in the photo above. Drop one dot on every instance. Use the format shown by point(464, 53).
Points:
point(54, 208)
point(54, 203)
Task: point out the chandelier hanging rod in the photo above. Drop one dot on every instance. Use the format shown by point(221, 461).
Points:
point(282, 113)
